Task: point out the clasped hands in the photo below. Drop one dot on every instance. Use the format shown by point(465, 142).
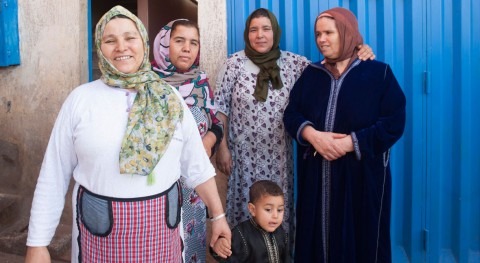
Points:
point(329, 145)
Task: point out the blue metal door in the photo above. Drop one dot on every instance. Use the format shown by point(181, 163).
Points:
point(432, 46)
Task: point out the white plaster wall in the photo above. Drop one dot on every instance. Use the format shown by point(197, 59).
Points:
point(212, 20)
point(53, 50)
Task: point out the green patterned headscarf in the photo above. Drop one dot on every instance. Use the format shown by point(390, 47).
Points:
point(155, 111)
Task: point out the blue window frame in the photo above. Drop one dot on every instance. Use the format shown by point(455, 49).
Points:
point(9, 41)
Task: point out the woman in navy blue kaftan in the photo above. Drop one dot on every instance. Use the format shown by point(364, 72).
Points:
point(346, 114)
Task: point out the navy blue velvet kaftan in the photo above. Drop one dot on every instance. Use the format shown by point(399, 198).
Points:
point(343, 208)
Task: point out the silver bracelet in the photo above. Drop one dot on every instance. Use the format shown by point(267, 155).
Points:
point(213, 219)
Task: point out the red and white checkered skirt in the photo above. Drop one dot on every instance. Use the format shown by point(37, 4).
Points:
point(138, 230)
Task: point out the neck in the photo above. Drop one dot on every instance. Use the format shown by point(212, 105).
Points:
point(342, 65)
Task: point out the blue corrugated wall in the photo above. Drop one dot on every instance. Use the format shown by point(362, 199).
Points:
point(433, 47)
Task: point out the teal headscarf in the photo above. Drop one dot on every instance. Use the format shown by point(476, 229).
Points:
point(155, 111)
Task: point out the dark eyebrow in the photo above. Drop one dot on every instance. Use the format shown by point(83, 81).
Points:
point(179, 37)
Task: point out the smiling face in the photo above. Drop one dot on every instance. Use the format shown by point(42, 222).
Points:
point(122, 45)
point(268, 212)
point(327, 37)
point(184, 47)
point(260, 34)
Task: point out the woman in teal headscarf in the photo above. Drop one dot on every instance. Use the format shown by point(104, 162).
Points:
point(124, 140)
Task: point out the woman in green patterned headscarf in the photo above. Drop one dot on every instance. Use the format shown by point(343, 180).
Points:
point(155, 111)
point(126, 139)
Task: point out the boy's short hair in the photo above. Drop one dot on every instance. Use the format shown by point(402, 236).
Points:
point(262, 188)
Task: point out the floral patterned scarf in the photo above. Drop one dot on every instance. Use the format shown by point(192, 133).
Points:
point(155, 111)
point(192, 84)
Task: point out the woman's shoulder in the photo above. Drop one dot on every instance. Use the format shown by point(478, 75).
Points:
point(90, 86)
point(374, 67)
point(293, 56)
point(237, 56)
point(86, 89)
point(94, 90)
point(285, 53)
point(374, 64)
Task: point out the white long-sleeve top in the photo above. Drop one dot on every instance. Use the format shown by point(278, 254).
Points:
point(85, 143)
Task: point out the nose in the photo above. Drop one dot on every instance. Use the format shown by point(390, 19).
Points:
point(260, 33)
point(275, 214)
point(121, 46)
point(186, 47)
point(322, 37)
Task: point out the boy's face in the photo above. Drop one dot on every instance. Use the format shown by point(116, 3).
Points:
point(268, 212)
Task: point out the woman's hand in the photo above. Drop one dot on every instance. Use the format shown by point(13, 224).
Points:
point(222, 247)
point(209, 193)
point(325, 143)
point(345, 143)
point(224, 159)
point(365, 52)
point(37, 255)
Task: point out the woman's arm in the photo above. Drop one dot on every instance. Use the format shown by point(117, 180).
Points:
point(214, 135)
point(209, 194)
point(37, 255)
point(224, 157)
point(209, 141)
point(52, 184)
point(389, 126)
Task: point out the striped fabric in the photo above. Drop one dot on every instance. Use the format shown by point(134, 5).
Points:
point(139, 234)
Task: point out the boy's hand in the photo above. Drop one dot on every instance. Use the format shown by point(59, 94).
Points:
point(222, 247)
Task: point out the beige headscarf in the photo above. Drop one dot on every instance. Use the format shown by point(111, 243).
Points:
point(350, 37)
point(155, 111)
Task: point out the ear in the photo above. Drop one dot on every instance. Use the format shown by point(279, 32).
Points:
point(251, 209)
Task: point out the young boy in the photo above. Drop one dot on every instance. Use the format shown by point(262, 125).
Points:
point(261, 238)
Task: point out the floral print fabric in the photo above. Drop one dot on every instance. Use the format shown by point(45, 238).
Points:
point(155, 111)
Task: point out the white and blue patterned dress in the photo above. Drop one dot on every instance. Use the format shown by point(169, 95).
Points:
point(261, 149)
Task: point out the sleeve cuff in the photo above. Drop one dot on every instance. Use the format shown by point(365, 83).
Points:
point(218, 131)
point(356, 146)
point(300, 140)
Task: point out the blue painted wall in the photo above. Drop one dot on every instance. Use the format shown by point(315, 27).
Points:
point(9, 40)
point(432, 46)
